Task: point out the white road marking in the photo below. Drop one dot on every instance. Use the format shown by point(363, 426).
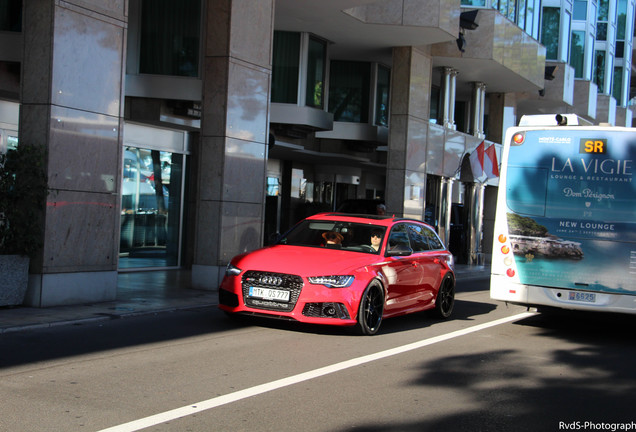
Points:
point(174, 414)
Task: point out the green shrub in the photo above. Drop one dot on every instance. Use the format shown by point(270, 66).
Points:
point(23, 192)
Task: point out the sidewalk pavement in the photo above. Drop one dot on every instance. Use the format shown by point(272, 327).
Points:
point(142, 293)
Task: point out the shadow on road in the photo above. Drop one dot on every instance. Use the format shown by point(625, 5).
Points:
point(71, 340)
point(52, 343)
point(590, 379)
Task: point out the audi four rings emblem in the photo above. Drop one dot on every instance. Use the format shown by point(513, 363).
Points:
point(271, 280)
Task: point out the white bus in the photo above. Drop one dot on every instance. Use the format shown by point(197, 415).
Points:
point(565, 225)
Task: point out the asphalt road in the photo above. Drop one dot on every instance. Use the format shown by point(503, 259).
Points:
point(491, 367)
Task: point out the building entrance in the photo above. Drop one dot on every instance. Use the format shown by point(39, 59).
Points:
point(152, 198)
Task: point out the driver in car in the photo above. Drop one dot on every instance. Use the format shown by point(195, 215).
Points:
point(376, 239)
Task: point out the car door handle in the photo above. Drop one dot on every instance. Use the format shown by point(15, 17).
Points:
point(436, 260)
point(414, 264)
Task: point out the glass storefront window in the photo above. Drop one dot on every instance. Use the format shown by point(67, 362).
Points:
point(601, 31)
point(435, 102)
point(599, 70)
point(150, 208)
point(621, 24)
point(316, 61)
point(299, 183)
point(532, 19)
point(521, 18)
point(382, 87)
point(617, 89)
point(273, 186)
point(285, 67)
point(603, 10)
point(550, 32)
point(11, 141)
point(349, 89)
point(579, 12)
point(170, 35)
point(577, 52)
point(620, 49)
point(507, 9)
point(525, 13)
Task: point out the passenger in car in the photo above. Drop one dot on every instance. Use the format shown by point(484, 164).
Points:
point(332, 238)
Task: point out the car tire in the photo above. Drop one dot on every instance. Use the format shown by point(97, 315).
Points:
point(371, 309)
point(445, 298)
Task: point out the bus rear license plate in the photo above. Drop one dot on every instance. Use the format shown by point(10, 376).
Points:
point(583, 297)
point(269, 294)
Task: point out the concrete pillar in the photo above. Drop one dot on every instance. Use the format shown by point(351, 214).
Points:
point(502, 114)
point(475, 204)
point(232, 153)
point(479, 99)
point(445, 201)
point(451, 107)
point(449, 85)
point(72, 104)
point(482, 108)
point(410, 109)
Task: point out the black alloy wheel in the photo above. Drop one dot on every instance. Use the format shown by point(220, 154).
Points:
point(445, 298)
point(371, 309)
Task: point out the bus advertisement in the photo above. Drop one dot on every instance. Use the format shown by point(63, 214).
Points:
point(565, 224)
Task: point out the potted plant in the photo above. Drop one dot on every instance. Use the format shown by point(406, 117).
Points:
point(23, 191)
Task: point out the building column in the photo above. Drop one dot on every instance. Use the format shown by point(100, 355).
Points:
point(475, 204)
point(502, 114)
point(72, 104)
point(232, 152)
point(449, 86)
point(410, 109)
point(479, 100)
point(445, 201)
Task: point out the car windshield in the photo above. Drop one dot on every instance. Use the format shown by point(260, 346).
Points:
point(349, 236)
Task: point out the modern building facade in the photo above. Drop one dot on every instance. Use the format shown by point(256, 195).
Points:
point(180, 134)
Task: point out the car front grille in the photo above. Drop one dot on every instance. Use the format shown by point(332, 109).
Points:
point(277, 281)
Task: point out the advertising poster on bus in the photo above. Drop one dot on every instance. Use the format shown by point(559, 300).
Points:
point(571, 209)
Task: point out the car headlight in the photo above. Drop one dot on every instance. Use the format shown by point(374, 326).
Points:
point(332, 281)
point(231, 270)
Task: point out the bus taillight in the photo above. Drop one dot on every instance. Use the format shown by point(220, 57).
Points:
point(518, 138)
point(505, 249)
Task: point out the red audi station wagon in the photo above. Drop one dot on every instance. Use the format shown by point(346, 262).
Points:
point(345, 270)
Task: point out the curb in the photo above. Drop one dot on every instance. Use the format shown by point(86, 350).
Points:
point(109, 317)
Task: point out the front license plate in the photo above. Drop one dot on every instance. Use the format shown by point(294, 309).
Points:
point(582, 297)
point(269, 294)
